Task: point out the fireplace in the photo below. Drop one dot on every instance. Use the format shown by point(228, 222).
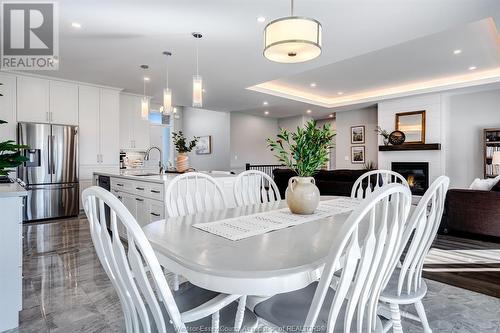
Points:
point(416, 173)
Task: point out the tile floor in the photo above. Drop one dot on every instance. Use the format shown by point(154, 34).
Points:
point(65, 289)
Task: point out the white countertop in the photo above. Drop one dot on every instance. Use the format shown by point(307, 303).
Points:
point(156, 178)
point(12, 190)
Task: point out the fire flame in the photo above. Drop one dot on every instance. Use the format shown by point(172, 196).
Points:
point(411, 181)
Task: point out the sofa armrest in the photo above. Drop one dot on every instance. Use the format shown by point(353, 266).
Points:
point(472, 211)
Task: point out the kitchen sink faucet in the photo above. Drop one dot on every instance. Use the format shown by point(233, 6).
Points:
point(160, 164)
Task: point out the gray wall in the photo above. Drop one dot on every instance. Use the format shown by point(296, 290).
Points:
point(467, 116)
point(291, 123)
point(344, 121)
point(248, 140)
point(319, 123)
point(200, 122)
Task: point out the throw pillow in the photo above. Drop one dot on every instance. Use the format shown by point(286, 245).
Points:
point(484, 184)
point(496, 187)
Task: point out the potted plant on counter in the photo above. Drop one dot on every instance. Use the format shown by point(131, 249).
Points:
point(10, 157)
point(183, 147)
point(305, 152)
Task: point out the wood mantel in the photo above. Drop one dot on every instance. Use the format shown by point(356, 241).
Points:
point(411, 146)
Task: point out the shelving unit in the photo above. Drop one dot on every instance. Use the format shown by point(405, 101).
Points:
point(491, 139)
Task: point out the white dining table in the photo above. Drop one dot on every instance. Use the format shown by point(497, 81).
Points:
point(275, 262)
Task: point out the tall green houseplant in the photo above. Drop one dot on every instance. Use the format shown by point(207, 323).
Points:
point(10, 155)
point(306, 150)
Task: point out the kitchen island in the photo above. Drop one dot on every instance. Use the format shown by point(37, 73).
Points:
point(11, 256)
point(143, 193)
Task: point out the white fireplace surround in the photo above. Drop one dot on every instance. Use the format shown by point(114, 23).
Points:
point(435, 112)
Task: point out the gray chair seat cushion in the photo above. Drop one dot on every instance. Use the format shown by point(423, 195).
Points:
point(289, 311)
point(189, 296)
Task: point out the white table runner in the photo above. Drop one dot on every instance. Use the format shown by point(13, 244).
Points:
point(242, 227)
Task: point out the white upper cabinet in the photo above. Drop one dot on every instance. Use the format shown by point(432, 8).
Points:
point(109, 119)
point(33, 100)
point(98, 119)
point(46, 101)
point(8, 107)
point(63, 103)
point(134, 131)
point(89, 125)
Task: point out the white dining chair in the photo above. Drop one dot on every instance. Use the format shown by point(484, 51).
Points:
point(372, 180)
point(147, 302)
point(254, 187)
point(192, 193)
point(365, 249)
point(406, 285)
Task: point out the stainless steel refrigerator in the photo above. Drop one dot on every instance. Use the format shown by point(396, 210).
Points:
point(51, 172)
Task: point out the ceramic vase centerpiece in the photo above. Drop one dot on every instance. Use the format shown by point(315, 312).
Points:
point(183, 147)
point(305, 151)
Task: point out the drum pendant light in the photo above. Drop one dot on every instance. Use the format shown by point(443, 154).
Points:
point(167, 92)
point(197, 80)
point(292, 39)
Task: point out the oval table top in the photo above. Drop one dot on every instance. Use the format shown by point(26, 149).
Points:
point(275, 262)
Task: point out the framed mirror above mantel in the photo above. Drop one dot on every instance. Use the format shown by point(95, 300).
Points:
point(412, 124)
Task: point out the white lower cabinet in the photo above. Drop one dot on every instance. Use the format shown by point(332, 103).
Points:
point(144, 200)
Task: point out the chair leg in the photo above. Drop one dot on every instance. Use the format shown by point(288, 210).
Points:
point(396, 318)
point(215, 322)
point(240, 313)
point(423, 317)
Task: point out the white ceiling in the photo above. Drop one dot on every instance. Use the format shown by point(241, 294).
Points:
point(119, 35)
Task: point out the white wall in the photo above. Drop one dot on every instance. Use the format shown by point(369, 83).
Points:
point(468, 115)
point(319, 123)
point(436, 125)
point(248, 140)
point(200, 122)
point(344, 121)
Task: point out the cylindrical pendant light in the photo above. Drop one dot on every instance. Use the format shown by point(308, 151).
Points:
point(292, 39)
point(145, 99)
point(167, 92)
point(197, 80)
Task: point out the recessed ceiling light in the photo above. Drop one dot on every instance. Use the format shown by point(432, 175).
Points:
point(265, 103)
point(308, 111)
point(261, 19)
point(313, 85)
point(266, 112)
point(457, 51)
point(146, 78)
point(340, 93)
point(471, 68)
point(76, 25)
point(331, 116)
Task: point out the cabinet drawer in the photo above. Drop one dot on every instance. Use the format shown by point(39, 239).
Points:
point(155, 191)
point(156, 211)
point(122, 185)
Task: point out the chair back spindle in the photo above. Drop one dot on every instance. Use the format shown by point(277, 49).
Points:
point(193, 193)
point(372, 180)
point(255, 187)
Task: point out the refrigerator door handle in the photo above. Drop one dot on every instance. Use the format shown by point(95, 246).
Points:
point(53, 154)
point(49, 155)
